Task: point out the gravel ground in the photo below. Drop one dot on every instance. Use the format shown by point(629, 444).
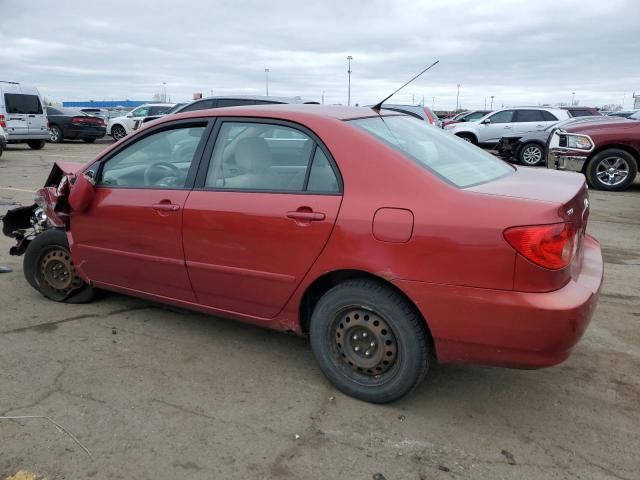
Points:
point(155, 392)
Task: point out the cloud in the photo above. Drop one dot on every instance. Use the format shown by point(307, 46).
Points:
point(521, 52)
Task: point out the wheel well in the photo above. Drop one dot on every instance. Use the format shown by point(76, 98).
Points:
point(329, 280)
point(626, 148)
point(467, 134)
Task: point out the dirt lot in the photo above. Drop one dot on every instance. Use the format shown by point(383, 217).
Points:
point(157, 393)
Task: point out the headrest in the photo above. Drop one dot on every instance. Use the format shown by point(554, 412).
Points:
point(253, 154)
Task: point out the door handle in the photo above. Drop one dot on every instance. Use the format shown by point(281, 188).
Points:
point(306, 216)
point(166, 207)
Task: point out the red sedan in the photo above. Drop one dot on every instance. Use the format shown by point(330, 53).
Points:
point(391, 245)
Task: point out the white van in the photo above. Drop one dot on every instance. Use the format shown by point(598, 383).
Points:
point(22, 115)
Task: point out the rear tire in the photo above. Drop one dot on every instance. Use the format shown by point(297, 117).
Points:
point(468, 137)
point(55, 134)
point(48, 268)
point(369, 341)
point(612, 170)
point(531, 154)
point(36, 144)
point(118, 132)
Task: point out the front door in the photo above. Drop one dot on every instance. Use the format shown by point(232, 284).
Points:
point(259, 216)
point(131, 236)
point(498, 126)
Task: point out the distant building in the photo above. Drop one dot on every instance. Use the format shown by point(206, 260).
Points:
point(106, 104)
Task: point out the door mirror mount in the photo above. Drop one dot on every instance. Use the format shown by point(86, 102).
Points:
point(486, 121)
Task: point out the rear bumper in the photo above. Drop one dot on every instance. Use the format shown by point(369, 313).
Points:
point(15, 137)
point(86, 132)
point(508, 328)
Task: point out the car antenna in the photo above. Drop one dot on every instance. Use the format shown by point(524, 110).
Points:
point(378, 106)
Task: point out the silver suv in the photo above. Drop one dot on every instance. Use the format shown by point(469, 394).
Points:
point(488, 130)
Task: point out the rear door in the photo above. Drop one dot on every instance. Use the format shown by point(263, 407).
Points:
point(259, 216)
point(528, 120)
point(131, 235)
point(21, 109)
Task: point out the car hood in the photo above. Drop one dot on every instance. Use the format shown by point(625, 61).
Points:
point(604, 125)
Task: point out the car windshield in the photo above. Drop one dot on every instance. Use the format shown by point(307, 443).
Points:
point(451, 159)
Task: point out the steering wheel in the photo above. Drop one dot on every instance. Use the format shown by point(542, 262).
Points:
point(156, 172)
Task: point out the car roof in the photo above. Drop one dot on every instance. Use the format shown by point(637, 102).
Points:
point(285, 111)
point(253, 97)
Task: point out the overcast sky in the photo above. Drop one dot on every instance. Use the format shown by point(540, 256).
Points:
point(527, 52)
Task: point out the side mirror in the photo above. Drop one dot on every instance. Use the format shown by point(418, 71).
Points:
point(129, 115)
point(81, 194)
point(486, 121)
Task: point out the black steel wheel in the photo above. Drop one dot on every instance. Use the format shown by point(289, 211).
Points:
point(370, 341)
point(48, 267)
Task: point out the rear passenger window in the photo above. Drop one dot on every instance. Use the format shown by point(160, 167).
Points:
point(529, 116)
point(322, 178)
point(203, 105)
point(548, 117)
point(232, 102)
point(269, 158)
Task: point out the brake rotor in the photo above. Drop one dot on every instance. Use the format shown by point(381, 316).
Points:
point(365, 342)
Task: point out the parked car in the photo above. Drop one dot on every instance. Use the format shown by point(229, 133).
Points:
point(530, 148)
point(22, 116)
point(607, 152)
point(417, 111)
point(3, 141)
point(583, 111)
point(239, 101)
point(102, 113)
point(140, 121)
point(120, 127)
point(390, 245)
point(72, 124)
point(487, 131)
point(470, 116)
point(623, 113)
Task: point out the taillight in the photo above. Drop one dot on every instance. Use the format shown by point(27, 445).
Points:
point(550, 246)
point(3, 122)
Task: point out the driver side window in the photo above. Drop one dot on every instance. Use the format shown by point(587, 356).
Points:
point(502, 117)
point(159, 160)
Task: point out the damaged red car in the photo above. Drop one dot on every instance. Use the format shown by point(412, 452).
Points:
point(391, 245)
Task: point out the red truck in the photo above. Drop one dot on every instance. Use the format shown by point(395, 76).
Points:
point(607, 152)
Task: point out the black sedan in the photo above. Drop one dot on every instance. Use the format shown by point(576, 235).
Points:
point(69, 124)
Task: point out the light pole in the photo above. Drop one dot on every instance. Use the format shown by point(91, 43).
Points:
point(266, 79)
point(164, 92)
point(573, 98)
point(322, 97)
point(349, 58)
point(458, 99)
point(491, 107)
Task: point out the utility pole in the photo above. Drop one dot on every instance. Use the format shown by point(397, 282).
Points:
point(491, 107)
point(322, 97)
point(413, 99)
point(573, 98)
point(458, 99)
point(266, 78)
point(164, 92)
point(349, 58)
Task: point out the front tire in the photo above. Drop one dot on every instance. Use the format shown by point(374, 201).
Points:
point(612, 170)
point(55, 134)
point(118, 132)
point(531, 154)
point(369, 341)
point(36, 144)
point(468, 137)
point(48, 268)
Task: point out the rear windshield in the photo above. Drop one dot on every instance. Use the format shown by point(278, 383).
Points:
point(18, 103)
point(448, 157)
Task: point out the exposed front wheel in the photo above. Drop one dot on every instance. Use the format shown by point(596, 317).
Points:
point(118, 132)
point(612, 170)
point(531, 154)
point(49, 269)
point(369, 341)
point(467, 137)
point(36, 144)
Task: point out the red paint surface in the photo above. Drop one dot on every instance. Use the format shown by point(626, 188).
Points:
point(241, 254)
